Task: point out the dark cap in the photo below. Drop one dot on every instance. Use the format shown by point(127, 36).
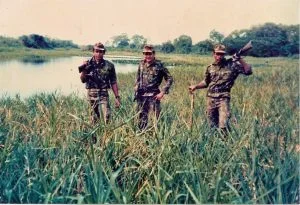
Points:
point(219, 48)
point(148, 48)
point(99, 46)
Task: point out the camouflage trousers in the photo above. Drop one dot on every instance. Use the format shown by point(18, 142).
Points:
point(145, 106)
point(218, 112)
point(99, 102)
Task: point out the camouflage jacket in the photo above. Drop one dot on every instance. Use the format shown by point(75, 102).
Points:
point(149, 77)
point(101, 75)
point(220, 78)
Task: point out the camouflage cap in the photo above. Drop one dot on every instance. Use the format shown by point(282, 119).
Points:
point(219, 48)
point(148, 48)
point(99, 46)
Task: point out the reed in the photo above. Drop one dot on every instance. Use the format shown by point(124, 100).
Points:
point(47, 154)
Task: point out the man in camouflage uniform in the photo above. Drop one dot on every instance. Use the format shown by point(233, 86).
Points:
point(99, 75)
point(219, 79)
point(148, 79)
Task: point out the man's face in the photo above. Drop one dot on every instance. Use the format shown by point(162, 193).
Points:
point(98, 54)
point(148, 56)
point(218, 57)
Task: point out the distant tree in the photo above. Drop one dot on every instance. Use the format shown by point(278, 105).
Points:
point(34, 41)
point(269, 38)
point(203, 47)
point(183, 44)
point(137, 41)
point(236, 40)
point(216, 37)
point(167, 47)
point(56, 43)
point(120, 41)
point(9, 42)
point(292, 46)
point(41, 42)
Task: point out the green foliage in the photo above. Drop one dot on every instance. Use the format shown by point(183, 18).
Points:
point(137, 42)
point(56, 43)
point(167, 47)
point(121, 41)
point(34, 41)
point(9, 42)
point(183, 44)
point(216, 37)
point(47, 154)
point(41, 42)
point(268, 40)
point(203, 47)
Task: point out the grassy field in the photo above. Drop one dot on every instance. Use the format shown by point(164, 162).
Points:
point(47, 155)
point(7, 53)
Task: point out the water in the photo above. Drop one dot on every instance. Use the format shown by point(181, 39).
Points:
point(55, 75)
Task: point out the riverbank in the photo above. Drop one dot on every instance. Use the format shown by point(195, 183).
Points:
point(27, 54)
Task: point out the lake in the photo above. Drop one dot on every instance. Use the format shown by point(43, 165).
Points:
point(59, 74)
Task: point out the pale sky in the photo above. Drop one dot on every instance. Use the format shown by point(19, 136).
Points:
point(89, 21)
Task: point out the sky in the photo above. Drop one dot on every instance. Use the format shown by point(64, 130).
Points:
point(90, 21)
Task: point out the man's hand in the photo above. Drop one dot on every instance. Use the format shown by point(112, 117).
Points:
point(83, 76)
point(236, 57)
point(117, 102)
point(192, 88)
point(159, 96)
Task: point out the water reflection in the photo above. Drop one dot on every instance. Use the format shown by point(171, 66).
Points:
point(34, 59)
point(61, 75)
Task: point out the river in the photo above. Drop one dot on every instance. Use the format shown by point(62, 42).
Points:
point(54, 75)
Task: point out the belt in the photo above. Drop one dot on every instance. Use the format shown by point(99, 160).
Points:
point(219, 90)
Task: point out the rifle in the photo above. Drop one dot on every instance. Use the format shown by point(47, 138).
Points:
point(140, 91)
point(242, 51)
point(85, 67)
point(91, 73)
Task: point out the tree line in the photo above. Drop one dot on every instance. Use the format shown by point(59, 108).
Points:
point(36, 41)
point(268, 40)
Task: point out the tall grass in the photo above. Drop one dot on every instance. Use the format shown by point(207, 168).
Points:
point(47, 154)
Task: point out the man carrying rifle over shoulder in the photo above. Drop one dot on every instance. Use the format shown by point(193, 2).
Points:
point(148, 79)
point(219, 79)
point(99, 75)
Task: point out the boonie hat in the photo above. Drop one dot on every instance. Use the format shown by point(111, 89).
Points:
point(148, 48)
point(219, 48)
point(99, 46)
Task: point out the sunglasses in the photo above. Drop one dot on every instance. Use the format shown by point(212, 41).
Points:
point(99, 51)
point(220, 54)
point(147, 53)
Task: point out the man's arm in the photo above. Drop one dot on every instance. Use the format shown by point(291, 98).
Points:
point(137, 79)
point(203, 84)
point(114, 86)
point(200, 85)
point(115, 90)
point(247, 68)
point(169, 81)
